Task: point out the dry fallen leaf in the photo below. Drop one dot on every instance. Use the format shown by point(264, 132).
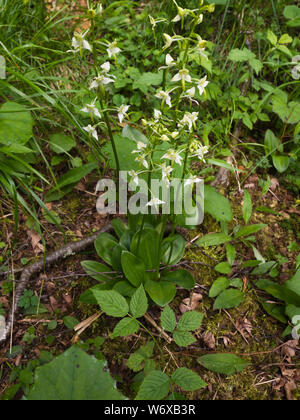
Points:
point(35, 242)
point(191, 303)
point(209, 340)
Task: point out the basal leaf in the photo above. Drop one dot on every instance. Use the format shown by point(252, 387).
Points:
point(227, 364)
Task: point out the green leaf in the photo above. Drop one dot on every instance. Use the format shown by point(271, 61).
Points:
point(126, 326)
point(281, 163)
point(168, 319)
point(161, 292)
point(285, 39)
point(250, 230)
point(247, 207)
point(272, 142)
point(272, 37)
point(124, 288)
point(173, 249)
point(135, 362)
point(229, 299)
point(187, 379)
point(231, 254)
point(112, 303)
point(227, 364)
point(74, 376)
point(223, 268)
point(70, 322)
point(93, 269)
point(134, 134)
point(145, 245)
point(182, 278)
point(190, 321)
point(146, 80)
point(156, 386)
point(119, 227)
point(60, 143)
point(275, 311)
point(217, 205)
point(133, 268)
point(243, 55)
point(294, 283)
point(213, 239)
point(104, 245)
point(15, 124)
point(139, 303)
point(221, 284)
point(293, 14)
point(183, 338)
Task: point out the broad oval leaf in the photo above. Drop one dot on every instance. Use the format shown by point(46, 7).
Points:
point(104, 245)
point(127, 326)
point(217, 205)
point(97, 270)
point(187, 379)
point(133, 268)
point(182, 278)
point(221, 284)
point(74, 376)
point(250, 230)
point(145, 245)
point(229, 299)
point(161, 292)
point(213, 239)
point(281, 163)
point(173, 249)
point(227, 364)
point(15, 124)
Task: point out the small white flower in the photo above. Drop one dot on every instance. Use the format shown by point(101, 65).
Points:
point(91, 109)
point(79, 42)
point(296, 69)
point(134, 177)
point(190, 94)
point(202, 85)
point(182, 13)
point(92, 131)
point(183, 75)
point(141, 147)
point(201, 152)
point(157, 115)
point(164, 137)
point(106, 67)
point(112, 49)
point(170, 62)
point(169, 40)
point(155, 202)
point(165, 97)
point(192, 180)
point(142, 160)
point(122, 111)
point(166, 172)
point(189, 120)
point(173, 156)
point(154, 22)
point(101, 80)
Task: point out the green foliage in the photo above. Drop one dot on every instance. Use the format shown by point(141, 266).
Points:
point(227, 364)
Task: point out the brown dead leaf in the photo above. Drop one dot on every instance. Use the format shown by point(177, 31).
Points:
point(191, 303)
point(209, 340)
point(274, 184)
point(35, 242)
point(68, 300)
point(244, 326)
point(289, 350)
point(289, 388)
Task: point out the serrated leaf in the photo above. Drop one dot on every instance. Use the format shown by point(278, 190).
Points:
point(135, 362)
point(227, 364)
point(74, 376)
point(190, 321)
point(229, 299)
point(156, 386)
point(126, 326)
point(183, 338)
point(168, 319)
point(139, 303)
point(111, 302)
point(272, 37)
point(187, 379)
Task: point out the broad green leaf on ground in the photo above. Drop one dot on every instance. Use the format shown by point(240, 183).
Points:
point(213, 239)
point(250, 230)
point(223, 268)
point(217, 205)
point(145, 245)
point(247, 207)
point(133, 268)
point(182, 278)
point(243, 55)
point(227, 364)
point(60, 143)
point(112, 303)
point(221, 284)
point(294, 283)
point(139, 303)
point(190, 321)
point(187, 379)
point(229, 299)
point(146, 80)
point(183, 338)
point(16, 124)
point(126, 326)
point(168, 319)
point(156, 386)
point(293, 14)
point(104, 245)
point(74, 376)
point(94, 269)
point(281, 162)
point(173, 249)
point(275, 311)
point(161, 292)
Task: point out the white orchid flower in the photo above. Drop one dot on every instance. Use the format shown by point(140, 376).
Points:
point(134, 177)
point(112, 49)
point(183, 75)
point(190, 94)
point(141, 147)
point(106, 67)
point(192, 180)
point(182, 13)
point(101, 80)
point(154, 22)
point(157, 115)
point(142, 160)
point(92, 131)
point(169, 40)
point(155, 202)
point(173, 156)
point(170, 62)
point(165, 97)
point(92, 110)
point(189, 120)
point(201, 152)
point(79, 42)
point(202, 85)
point(122, 112)
point(166, 172)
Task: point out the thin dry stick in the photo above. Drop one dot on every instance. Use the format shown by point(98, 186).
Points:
point(160, 330)
point(36, 268)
